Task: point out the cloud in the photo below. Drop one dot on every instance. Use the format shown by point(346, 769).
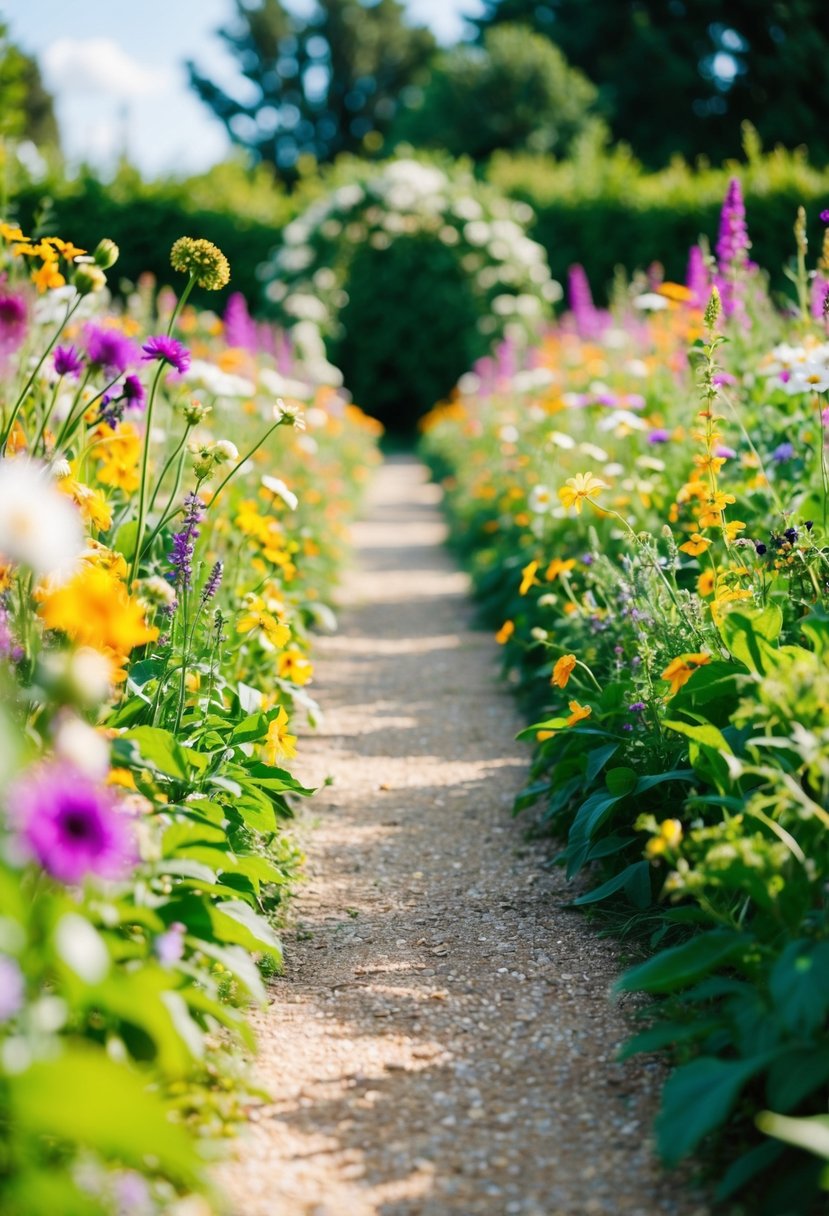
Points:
point(99, 66)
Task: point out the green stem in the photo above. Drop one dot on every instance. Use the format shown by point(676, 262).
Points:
point(145, 458)
point(247, 456)
point(167, 467)
point(182, 300)
point(35, 372)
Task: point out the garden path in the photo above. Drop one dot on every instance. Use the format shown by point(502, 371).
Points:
point(442, 1040)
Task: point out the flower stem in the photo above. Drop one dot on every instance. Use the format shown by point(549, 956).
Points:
point(145, 457)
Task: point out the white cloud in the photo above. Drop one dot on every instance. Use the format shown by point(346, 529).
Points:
point(100, 66)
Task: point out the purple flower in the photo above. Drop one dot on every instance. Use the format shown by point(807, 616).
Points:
point(12, 988)
point(760, 548)
point(696, 278)
point(72, 826)
point(169, 946)
point(109, 350)
point(820, 290)
point(659, 435)
point(12, 322)
point(585, 313)
point(132, 392)
point(240, 328)
point(732, 251)
point(824, 215)
point(68, 361)
point(167, 350)
point(213, 583)
point(783, 452)
point(184, 543)
point(637, 707)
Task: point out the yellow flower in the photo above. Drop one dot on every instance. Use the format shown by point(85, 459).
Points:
point(95, 609)
point(278, 743)
point(669, 837)
point(563, 669)
point(732, 529)
point(706, 582)
point(557, 567)
point(257, 618)
point(528, 578)
point(292, 665)
point(122, 777)
point(119, 455)
point(679, 670)
point(696, 544)
point(93, 506)
point(579, 488)
point(48, 276)
point(578, 713)
point(541, 735)
point(505, 633)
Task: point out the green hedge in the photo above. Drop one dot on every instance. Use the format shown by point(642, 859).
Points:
point(603, 210)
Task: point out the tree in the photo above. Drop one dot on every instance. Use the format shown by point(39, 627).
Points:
point(517, 91)
point(26, 110)
point(318, 85)
point(682, 75)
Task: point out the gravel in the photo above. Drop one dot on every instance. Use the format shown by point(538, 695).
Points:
point(443, 1039)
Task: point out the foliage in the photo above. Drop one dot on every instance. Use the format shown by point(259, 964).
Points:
point(682, 77)
point(516, 92)
point(659, 574)
point(158, 590)
point(26, 109)
point(479, 276)
point(319, 84)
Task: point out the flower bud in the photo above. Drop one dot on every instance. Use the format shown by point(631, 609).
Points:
point(106, 253)
point(88, 279)
point(712, 308)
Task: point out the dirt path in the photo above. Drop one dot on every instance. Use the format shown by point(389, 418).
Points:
point(442, 1040)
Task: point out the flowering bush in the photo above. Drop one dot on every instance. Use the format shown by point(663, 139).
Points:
point(658, 570)
point(158, 586)
point(449, 252)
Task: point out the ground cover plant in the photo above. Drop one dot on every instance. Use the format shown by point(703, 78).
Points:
point(174, 488)
point(642, 499)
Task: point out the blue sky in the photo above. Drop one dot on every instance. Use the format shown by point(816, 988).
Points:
point(116, 70)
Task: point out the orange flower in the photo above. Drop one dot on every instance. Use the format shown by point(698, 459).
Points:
point(95, 609)
point(557, 567)
point(696, 544)
point(505, 633)
point(578, 713)
point(679, 670)
point(563, 669)
point(706, 582)
point(528, 578)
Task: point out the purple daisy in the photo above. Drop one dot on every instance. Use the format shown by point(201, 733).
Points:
point(167, 350)
point(72, 826)
point(132, 393)
point(109, 350)
point(68, 361)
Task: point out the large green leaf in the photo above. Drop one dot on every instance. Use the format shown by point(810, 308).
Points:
point(799, 985)
point(673, 969)
point(751, 635)
point(697, 1099)
point(634, 880)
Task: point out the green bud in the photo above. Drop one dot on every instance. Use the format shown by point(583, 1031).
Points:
point(106, 253)
point(712, 308)
point(88, 278)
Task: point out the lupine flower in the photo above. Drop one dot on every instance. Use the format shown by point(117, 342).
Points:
point(184, 543)
point(72, 826)
point(12, 988)
point(68, 361)
point(732, 250)
point(213, 583)
point(109, 350)
point(581, 302)
point(167, 350)
point(240, 328)
point(697, 278)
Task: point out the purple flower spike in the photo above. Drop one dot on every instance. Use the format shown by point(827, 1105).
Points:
point(167, 350)
point(68, 361)
point(824, 215)
point(213, 583)
point(696, 278)
point(240, 328)
point(109, 350)
point(585, 314)
point(732, 251)
point(72, 826)
point(184, 543)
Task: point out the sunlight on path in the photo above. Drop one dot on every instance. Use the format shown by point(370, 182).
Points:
point(442, 1040)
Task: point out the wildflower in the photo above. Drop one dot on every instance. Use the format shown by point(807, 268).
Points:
point(109, 350)
point(132, 392)
point(278, 743)
point(39, 527)
point(505, 633)
point(732, 249)
point(240, 328)
point(118, 459)
point(760, 548)
point(12, 988)
point(528, 578)
point(782, 453)
point(168, 947)
point(184, 542)
point(679, 670)
point(276, 486)
point(733, 529)
point(578, 713)
point(695, 544)
point(213, 582)
point(167, 350)
point(540, 500)
point(13, 319)
point(67, 361)
point(706, 582)
point(87, 279)
point(292, 665)
point(106, 253)
point(668, 837)
point(659, 435)
point(224, 450)
point(697, 277)
point(71, 825)
point(201, 259)
point(637, 707)
point(563, 669)
point(48, 276)
point(557, 567)
point(580, 488)
point(257, 617)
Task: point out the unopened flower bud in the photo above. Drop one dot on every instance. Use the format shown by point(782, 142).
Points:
point(88, 279)
point(225, 450)
point(712, 308)
point(195, 411)
point(106, 253)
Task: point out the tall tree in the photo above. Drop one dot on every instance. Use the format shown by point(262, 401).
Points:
point(26, 109)
point(316, 85)
point(682, 75)
point(515, 91)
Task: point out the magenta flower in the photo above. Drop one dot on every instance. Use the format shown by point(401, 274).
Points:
point(580, 298)
point(68, 361)
point(732, 252)
point(240, 328)
point(167, 350)
point(109, 350)
point(13, 318)
point(72, 826)
point(132, 392)
point(696, 279)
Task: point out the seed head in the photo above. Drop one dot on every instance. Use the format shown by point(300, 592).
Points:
point(203, 260)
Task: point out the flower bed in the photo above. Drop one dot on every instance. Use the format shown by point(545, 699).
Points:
point(643, 505)
point(173, 497)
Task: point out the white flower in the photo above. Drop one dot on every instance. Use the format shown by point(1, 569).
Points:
point(541, 499)
point(39, 527)
point(224, 450)
point(82, 747)
point(82, 948)
point(278, 487)
point(211, 379)
point(650, 301)
point(508, 433)
point(89, 674)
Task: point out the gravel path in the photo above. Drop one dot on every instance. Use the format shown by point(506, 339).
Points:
point(442, 1041)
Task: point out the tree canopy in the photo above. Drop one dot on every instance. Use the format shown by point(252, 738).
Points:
point(516, 91)
point(315, 85)
point(682, 75)
point(26, 110)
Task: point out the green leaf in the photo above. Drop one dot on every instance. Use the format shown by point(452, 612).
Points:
point(697, 1099)
point(621, 780)
point(799, 986)
point(795, 1075)
point(751, 633)
point(747, 1167)
point(237, 923)
point(682, 965)
point(159, 749)
point(634, 881)
point(668, 1034)
point(119, 1119)
point(125, 539)
point(704, 733)
point(597, 759)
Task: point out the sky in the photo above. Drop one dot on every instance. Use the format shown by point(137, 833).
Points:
point(116, 70)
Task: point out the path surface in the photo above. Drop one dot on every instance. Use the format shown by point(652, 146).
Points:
point(442, 1042)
